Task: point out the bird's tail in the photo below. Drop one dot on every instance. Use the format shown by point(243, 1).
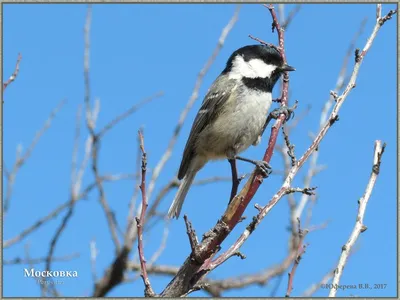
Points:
point(176, 206)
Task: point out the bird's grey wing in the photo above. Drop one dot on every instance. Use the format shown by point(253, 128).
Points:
point(209, 110)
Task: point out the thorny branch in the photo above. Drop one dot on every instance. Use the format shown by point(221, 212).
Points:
point(362, 206)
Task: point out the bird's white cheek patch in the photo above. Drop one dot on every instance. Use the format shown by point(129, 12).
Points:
point(260, 68)
point(251, 69)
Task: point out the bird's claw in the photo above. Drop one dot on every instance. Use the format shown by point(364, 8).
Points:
point(264, 167)
point(287, 111)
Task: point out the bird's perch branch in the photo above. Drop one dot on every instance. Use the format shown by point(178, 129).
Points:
point(193, 270)
point(212, 240)
point(359, 226)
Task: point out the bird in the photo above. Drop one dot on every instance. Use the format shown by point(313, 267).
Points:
point(232, 116)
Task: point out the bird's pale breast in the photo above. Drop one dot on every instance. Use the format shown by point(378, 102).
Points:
point(237, 127)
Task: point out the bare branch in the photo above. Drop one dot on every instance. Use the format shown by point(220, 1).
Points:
point(299, 253)
point(34, 261)
point(148, 292)
point(316, 286)
point(91, 117)
point(22, 158)
point(74, 161)
point(313, 168)
point(359, 226)
point(388, 16)
point(289, 147)
point(53, 214)
point(191, 234)
point(307, 191)
point(286, 185)
point(186, 279)
point(14, 74)
point(190, 273)
point(291, 16)
point(134, 108)
point(155, 269)
point(131, 228)
point(162, 246)
point(93, 258)
point(36, 225)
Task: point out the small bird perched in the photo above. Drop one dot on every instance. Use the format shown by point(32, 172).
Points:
point(232, 116)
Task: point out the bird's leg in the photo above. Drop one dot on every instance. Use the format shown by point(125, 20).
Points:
point(235, 179)
point(286, 110)
point(263, 166)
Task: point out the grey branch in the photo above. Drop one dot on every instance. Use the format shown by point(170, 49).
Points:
point(39, 260)
point(22, 158)
point(359, 226)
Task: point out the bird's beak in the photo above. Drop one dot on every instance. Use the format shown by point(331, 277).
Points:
point(287, 68)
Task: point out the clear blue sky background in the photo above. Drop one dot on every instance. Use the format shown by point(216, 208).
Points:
point(138, 50)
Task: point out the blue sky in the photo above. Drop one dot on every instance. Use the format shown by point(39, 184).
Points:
point(138, 50)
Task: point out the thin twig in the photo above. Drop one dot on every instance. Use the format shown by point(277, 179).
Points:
point(307, 191)
point(90, 123)
point(191, 233)
point(131, 229)
point(316, 286)
point(14, 74)
point(22, 158)
point(340, 82)
point(134, 108)
point(359, 226)
point(93, 258)
point(162, 246)
point(291, 16)
point(54, 213)
point(74, 194)
point(39, 260)
point(290, 147)
point(299, 253)
point(148, 292)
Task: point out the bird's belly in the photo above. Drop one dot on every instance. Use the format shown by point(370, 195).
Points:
point(236, 128)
